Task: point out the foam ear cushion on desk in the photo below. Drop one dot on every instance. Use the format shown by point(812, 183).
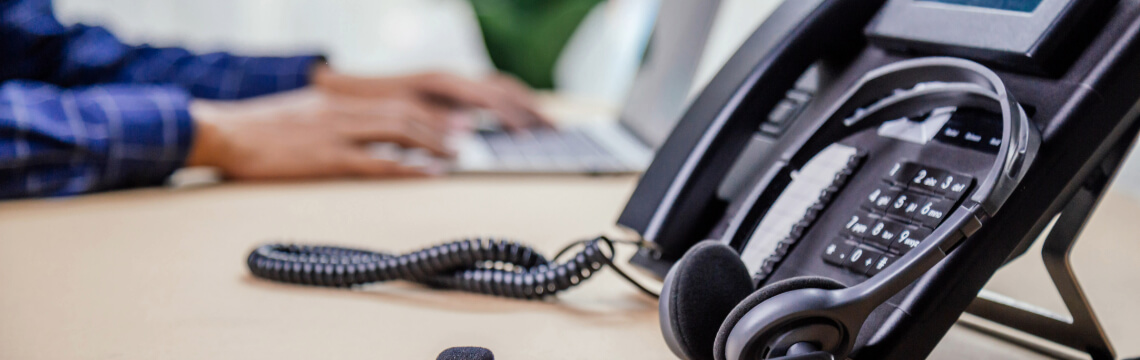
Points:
point(700, 291)
point(765, 293)
point(466, 353)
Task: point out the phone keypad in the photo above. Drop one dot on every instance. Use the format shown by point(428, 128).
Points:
point(896, 216)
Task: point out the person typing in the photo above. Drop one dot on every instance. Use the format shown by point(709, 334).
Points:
point(82, 112)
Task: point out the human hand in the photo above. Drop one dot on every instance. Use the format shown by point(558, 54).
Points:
point(311, 133)
point(508, 99)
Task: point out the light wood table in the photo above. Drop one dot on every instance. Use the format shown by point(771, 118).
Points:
point(160, 273)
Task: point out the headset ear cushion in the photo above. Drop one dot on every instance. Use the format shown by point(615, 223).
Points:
point(699, 292)
point(765, 293)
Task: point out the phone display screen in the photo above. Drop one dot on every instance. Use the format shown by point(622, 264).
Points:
point(1012, 5)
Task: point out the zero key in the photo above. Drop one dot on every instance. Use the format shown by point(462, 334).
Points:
point(862, 259)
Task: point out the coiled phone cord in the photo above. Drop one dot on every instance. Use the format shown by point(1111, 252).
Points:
point(493, 267)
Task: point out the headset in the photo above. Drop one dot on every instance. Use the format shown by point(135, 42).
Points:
point(709, 307)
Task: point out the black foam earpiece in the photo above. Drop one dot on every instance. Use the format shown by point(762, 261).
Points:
point(700, 291)
point(466, 353)
point(765, 293)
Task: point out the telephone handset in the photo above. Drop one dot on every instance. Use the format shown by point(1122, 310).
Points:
point(823, 221)
point(677, 200)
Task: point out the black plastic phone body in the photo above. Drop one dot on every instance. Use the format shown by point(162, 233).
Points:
point(1081, 107)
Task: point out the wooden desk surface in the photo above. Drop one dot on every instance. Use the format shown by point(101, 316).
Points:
point(160, 273)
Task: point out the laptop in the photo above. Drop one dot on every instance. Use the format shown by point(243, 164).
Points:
point(657, 97)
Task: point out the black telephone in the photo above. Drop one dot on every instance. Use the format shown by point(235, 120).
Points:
point(859, 169)
point(847, 183)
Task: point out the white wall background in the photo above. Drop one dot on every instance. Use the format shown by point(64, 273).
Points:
point(371, 37)
point(1129, 178)
point(359, 36)
point(378, 37)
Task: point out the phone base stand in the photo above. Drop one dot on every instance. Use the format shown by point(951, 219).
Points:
point(1081, 330)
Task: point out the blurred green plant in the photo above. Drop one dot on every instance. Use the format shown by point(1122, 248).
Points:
point(526, 37)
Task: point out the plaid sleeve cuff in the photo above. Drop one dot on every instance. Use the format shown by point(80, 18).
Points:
point(64, 142)
point(149, 133)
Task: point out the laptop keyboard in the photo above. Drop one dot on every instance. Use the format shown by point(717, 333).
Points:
point(570, 150)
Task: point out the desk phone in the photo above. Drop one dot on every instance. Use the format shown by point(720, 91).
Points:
point(848, 182)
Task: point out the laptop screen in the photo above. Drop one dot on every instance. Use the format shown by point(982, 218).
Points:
point(690, 43)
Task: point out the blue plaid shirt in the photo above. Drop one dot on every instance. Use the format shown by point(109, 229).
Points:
point(82, 112)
